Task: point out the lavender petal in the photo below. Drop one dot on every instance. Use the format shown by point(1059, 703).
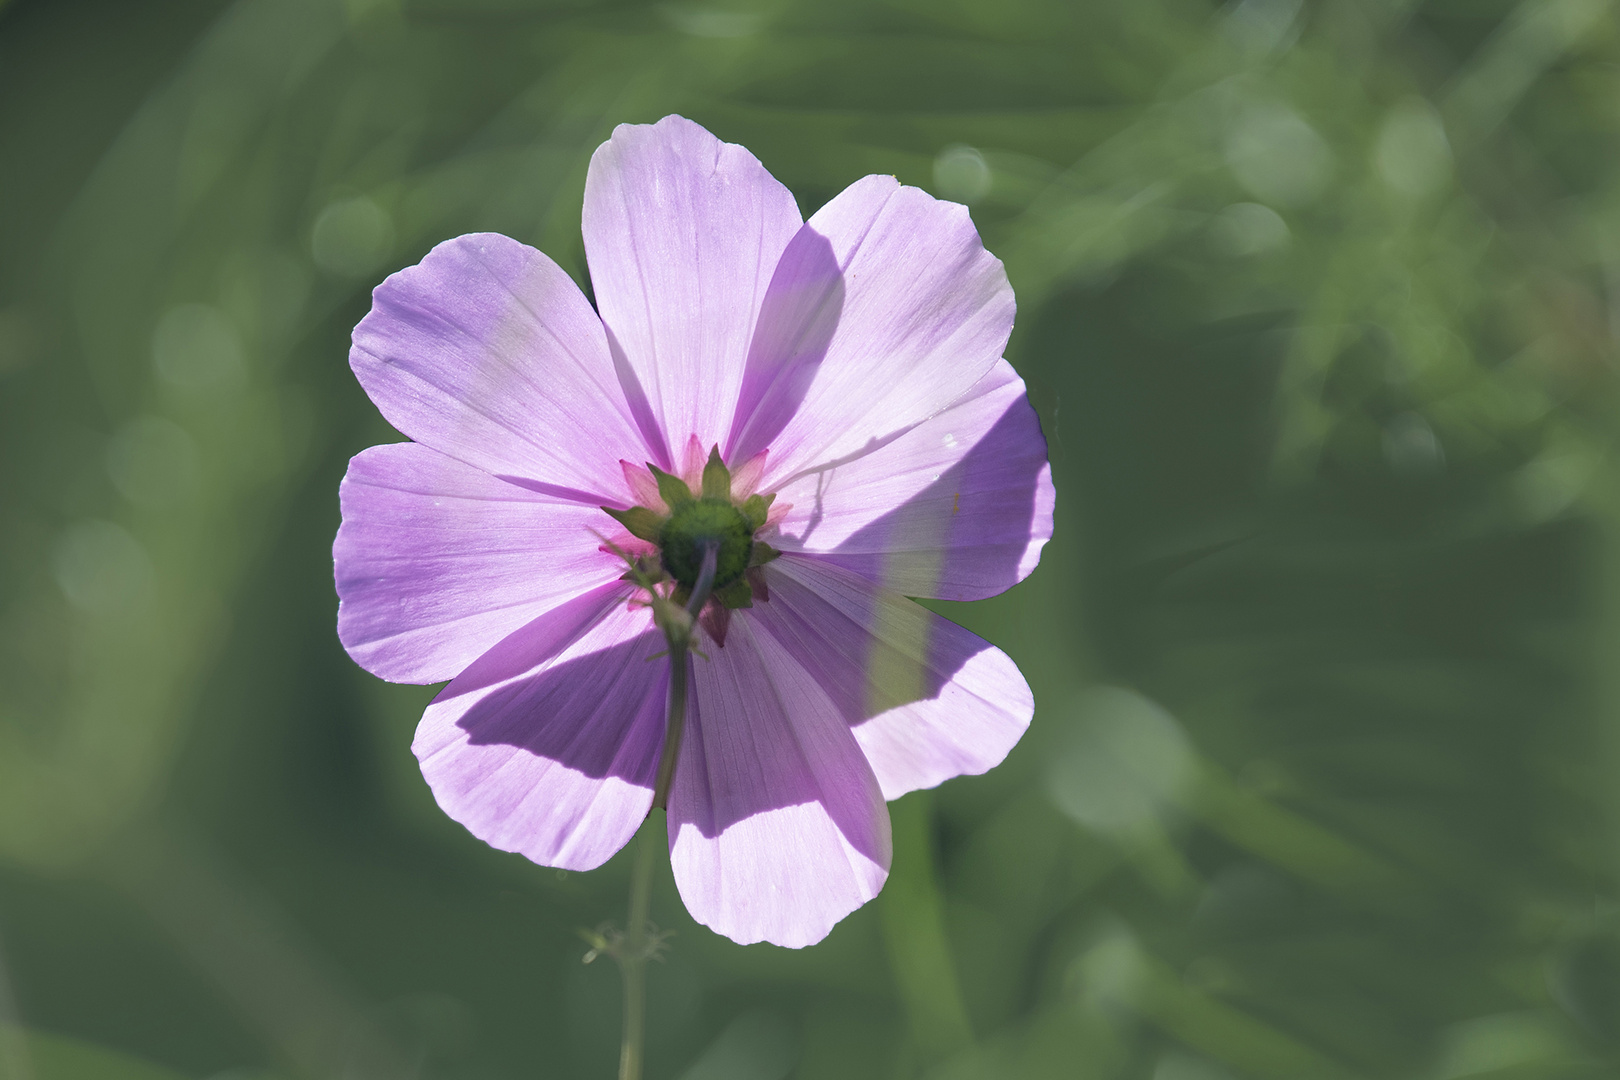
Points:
point(488, 352)
point(927, 700)
point(682, 233)
point(777, 826)
point(548, 744)
point(436, 561)
point(958, 508)
point(923, 313)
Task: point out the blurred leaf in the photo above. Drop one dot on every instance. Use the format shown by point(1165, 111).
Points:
point(914, 931)
point(34, 1055)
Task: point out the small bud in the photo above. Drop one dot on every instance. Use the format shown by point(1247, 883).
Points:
point(645, 570)
point(674, 620)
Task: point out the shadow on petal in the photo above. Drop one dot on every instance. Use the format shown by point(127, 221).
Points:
point(576, 687)
point(797, 320)
point(834, 648)
point(974, 532)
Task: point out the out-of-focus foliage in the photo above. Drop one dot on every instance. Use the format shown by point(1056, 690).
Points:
point(51, 1057)
point(1318, 307)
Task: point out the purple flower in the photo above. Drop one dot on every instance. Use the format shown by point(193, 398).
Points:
point(850, 367)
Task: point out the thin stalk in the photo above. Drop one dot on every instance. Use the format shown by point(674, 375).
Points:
point(633, 962)
point(634, 953)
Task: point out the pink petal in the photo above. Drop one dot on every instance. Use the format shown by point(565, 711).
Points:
point(928, 699)
point(548, 745)
point(682, 233)
point(745, 475)
point(957, 508)
point(777, 828)
point(643, 488)
point(436, 561)
point(488, 352)
point(885, 309)
point(691, 464)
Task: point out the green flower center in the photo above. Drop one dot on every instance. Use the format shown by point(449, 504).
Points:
point(691, 528)
point(692, 524)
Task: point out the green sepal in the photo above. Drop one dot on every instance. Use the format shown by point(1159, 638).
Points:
point(756, 507)
point(672, 489)
point(642, 523)
point(736, 595)
point(761, 554)
point(716, 477)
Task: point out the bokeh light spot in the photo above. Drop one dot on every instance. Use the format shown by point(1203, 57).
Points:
point(1412, 154)
point(196, 347)
point(101, 568)
point(1277, 156)
point(352, 237)
point(1248, 229)
point(1122, 764)
point(152, 462)
point(961, 174)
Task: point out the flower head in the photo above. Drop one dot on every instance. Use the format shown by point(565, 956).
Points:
point(823, 404)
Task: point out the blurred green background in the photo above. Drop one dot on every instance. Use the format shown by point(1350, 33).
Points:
point(1318, 304)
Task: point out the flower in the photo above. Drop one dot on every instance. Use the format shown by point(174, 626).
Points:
point(845, 376)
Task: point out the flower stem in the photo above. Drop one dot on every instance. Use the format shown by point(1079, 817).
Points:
point(633, 962)
point(639, 943)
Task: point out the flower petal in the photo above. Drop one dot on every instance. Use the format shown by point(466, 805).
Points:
point(885, 310)
point(436, 561)
point(777, 828)
point(548, 745)
point(488, 352)
point(957, 508)
point(928, 699)
point(682, 233)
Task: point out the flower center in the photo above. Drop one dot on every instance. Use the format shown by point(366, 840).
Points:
point(686, 525)
point(691, 528)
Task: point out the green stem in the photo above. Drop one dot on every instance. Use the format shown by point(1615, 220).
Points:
point(633, 962)
point(633, 954)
